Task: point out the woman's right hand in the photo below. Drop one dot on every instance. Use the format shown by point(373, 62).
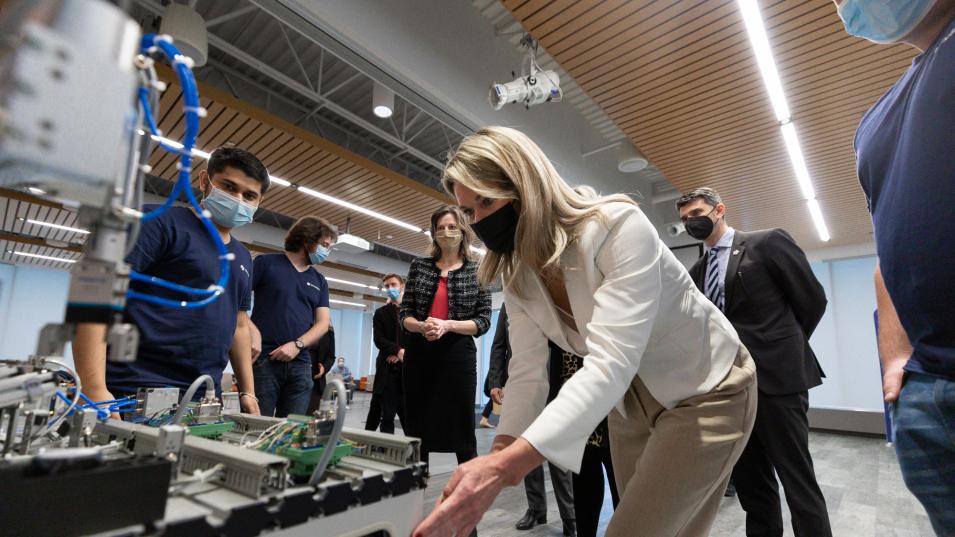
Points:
point(497, 395)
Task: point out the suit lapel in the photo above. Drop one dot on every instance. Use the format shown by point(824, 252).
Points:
point(732, 267)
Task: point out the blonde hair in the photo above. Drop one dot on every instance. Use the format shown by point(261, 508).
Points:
point(467, 235)
point(503, 163)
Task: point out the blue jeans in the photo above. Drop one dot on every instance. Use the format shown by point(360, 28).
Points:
point(924, 418)
point(283, 388)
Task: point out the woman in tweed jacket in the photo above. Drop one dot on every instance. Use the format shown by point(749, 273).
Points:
point(444, 309)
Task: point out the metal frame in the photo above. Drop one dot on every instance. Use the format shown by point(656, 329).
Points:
point(393, 147)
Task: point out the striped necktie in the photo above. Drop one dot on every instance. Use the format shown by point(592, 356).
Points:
point(712, 287)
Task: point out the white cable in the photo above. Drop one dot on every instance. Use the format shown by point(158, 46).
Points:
point(338, 387)
point(70, 407)
point(187, 398)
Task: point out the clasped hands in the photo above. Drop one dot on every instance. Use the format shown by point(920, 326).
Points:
point(396, 358)
point(434, 328)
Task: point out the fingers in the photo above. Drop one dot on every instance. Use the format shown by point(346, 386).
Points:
point(439, 523)
point(892, 385)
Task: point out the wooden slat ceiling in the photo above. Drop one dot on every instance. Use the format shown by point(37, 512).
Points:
point(19, 235)
point(679, 78)
point(307, 160)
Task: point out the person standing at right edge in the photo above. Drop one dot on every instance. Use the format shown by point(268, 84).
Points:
point(444, 309)
point(762, 282)
point(904, 151)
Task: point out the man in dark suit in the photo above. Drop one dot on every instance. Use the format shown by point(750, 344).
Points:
point(387, 398)
point(534, 481)
point(323, 358)
point(762, 282)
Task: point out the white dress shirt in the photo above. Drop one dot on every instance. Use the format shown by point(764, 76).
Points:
point(636, 311)
point(725, 244)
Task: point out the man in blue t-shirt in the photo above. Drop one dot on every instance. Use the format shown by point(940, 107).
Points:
point(290, 315)
point(903, 147)
point(178, 345)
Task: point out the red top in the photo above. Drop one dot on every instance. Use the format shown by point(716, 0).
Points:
point(439, 307)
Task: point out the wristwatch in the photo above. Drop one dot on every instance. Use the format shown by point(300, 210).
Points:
point(300, 344)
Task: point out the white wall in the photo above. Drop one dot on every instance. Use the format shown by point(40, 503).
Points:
point(30, 297)
point(845, 340)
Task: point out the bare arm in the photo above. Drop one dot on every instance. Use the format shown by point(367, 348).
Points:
point(413, 325)
point(256, 338)
point(323, 318)
point(466, 328)
point(894, 346)
point(240, 356)
point(89, 356)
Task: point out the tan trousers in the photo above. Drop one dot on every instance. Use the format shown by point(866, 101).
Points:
point(672, 466)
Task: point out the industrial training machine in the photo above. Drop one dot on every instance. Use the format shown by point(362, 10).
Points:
point(78, 94)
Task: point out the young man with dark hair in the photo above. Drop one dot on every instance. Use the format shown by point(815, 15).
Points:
point(903, 146)
point(387, 399)
point(762, 282)
point(178, 345)
point(291, 314)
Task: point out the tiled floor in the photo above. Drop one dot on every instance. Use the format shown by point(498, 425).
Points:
point(859, 477)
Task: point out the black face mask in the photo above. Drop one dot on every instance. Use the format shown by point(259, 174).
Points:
point(497, 230)
point(700, 227)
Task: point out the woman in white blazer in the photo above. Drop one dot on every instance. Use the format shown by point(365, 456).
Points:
point(591, 274)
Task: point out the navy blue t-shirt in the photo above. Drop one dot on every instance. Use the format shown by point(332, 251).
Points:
point(906, 164)
point(178, 345)
point(285, 301)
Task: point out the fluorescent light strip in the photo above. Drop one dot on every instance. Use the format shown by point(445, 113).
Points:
point(57, 226)
point(49, 257)
point(357, 208)
point(346, 282)
point(767, 68)
point(798, 160)
point(314, 193)
point(333, 301)
point(764, 57)
point(36, 191)
point(816, 212)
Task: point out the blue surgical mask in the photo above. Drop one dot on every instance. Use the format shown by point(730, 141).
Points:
point(394, 293)
point(883, 21)
point(319, 255)
point(228, 211)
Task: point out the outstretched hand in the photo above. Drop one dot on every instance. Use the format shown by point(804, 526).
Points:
point(471, 491)
point(475, 484)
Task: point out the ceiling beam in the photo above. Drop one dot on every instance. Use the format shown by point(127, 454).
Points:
point(225, 99)
point(40, 241)
point(303, 90)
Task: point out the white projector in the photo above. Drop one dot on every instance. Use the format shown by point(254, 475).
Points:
point(351, 244)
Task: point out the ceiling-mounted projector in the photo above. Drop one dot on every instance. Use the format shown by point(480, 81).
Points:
point(351, 244)
point(534, 86)
point(539, 87)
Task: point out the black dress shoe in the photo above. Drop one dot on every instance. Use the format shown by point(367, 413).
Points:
point(530, 520)
point(730, 490)
point(570, 528)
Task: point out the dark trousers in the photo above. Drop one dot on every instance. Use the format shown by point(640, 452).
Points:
point(537, 498)
point(589, 489)
point(486, 413)
point(373, 419)
point(385, 406)
point(780, 443)
point(282, 388)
